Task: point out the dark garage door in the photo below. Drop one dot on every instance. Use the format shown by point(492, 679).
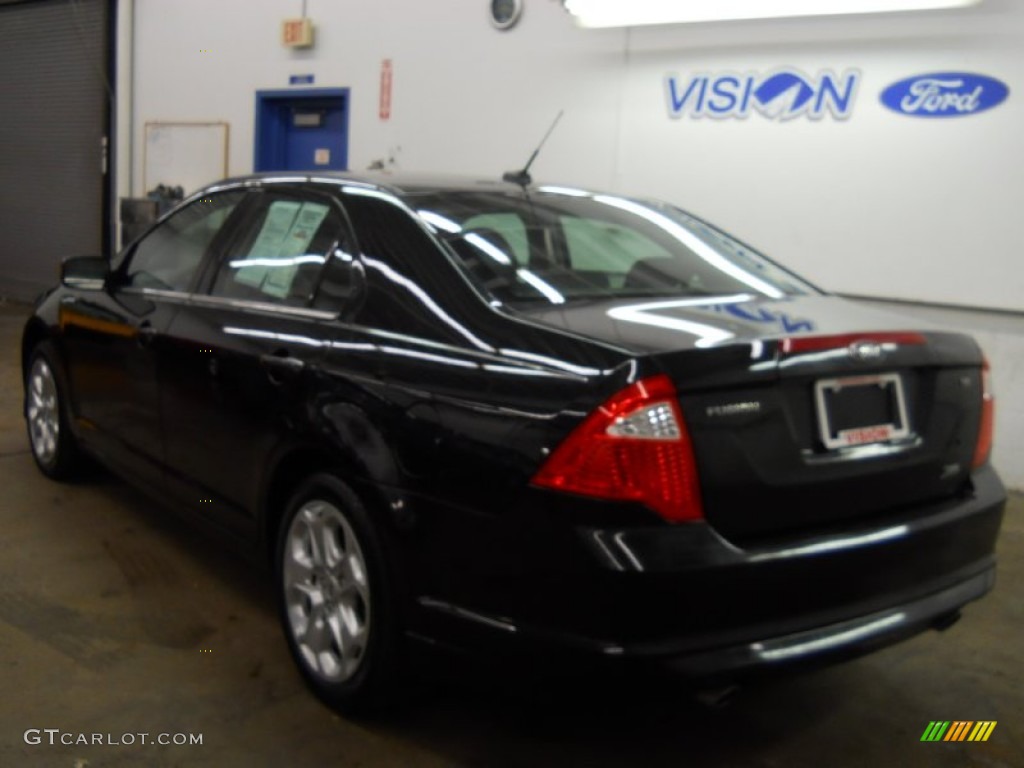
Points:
point(53, 117)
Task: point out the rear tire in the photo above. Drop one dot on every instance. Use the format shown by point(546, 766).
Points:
point(336, 597)
point(54, 447)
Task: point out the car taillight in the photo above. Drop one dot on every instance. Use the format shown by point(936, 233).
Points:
point(634, 447)
point(986, 430)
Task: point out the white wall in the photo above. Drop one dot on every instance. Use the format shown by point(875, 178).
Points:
point(880, 204)
point(467, 98)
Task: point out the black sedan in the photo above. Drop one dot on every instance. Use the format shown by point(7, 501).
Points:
point(524, 418)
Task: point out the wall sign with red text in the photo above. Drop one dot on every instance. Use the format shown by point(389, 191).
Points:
point(386, 76)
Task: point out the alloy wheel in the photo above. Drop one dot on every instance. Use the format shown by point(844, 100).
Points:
point(326, 591)
point(43, 412)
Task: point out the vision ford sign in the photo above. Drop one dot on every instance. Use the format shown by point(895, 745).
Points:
point(779, 95)
point(945, 94)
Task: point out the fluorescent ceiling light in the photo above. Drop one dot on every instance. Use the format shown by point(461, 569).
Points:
point(630, 13)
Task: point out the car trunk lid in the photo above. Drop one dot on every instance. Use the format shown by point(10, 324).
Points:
point(833, 437)
point(810, 413)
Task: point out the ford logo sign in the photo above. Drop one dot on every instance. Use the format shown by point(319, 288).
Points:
point(945, 94)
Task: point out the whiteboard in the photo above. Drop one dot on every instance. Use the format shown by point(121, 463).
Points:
point(189, 155)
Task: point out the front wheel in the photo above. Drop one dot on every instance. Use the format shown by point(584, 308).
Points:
point(335, 596)
point(49, 434)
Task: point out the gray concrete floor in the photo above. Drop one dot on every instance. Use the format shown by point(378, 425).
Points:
point(117, 619)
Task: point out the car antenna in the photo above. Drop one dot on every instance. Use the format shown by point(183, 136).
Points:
point(522, 178)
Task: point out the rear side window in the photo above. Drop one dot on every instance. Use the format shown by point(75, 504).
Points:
point(169, 256)
point(406, 271)
point(280, 254)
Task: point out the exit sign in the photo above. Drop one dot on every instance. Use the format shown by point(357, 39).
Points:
point(297, 33)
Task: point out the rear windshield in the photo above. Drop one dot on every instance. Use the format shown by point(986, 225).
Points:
point(558, 245)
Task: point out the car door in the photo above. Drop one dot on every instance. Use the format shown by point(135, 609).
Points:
point(113, 338)
point(242, 354)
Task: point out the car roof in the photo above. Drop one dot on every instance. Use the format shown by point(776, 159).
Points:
point(400, 184)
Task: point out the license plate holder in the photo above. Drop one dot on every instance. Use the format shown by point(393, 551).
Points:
point(861, 410)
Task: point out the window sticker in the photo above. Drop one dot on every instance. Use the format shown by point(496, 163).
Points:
point(279, 280)
point(286, 234)
point(276, 226)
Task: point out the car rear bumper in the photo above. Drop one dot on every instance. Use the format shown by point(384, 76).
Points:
point(686, 596)
point(839, 641)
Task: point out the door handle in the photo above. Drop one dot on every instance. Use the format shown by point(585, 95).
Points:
point(280, 366)
point(145, 333)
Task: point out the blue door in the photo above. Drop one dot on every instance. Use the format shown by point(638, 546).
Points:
point(302, 130)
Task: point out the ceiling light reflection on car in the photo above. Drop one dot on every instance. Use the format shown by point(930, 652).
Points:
point(403, 352)
point(707, 335)
point(552, 362)
point(353, 346)
point(444, 359)
point(493, 368)
point(826, 643)
point(694, 243)
point(376, 193)
point(258, 334)
point(550, 293)
point(439, 221)
point(427, 301)
point(288, 261)
point(569, 191)
point(483, 244)
point(849, 542)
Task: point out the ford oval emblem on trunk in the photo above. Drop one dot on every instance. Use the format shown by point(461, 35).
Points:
point(866, 351)
point(945, 94)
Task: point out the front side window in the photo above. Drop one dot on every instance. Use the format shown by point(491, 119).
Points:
point(556, 247)
point(279, 256)
point(168, 258)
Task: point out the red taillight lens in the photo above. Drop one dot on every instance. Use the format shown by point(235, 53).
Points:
point(635, 447)
point(986, 430)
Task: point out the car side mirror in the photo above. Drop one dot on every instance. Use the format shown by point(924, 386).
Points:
point(85, 272)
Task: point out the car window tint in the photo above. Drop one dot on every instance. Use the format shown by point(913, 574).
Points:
point(582, 246)
point(405, 271)
point(509, 227)
point(280, 255)
point(601, 246)
point(169, 256)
